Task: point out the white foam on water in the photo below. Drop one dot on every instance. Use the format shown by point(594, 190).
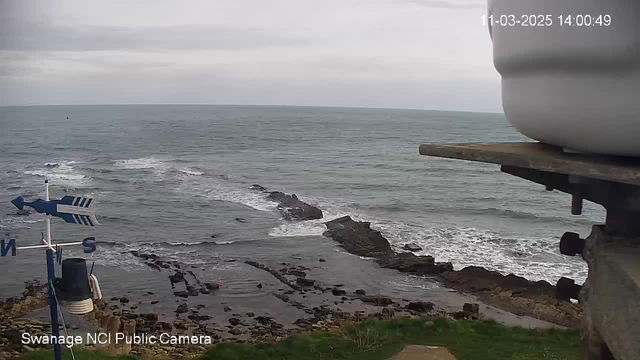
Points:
point(239, 196)
point(60, 173)
point(186, 243)
point(191, 172)
point(532, 258)
point(18, 222)
point(415, 282)
point(220, 190)
point(158, 166)
point(330, 211)
point(304, 228)
point(55, 176)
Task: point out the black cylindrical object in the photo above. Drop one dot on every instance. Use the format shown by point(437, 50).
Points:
point(571, 244)
point(74, 285)
point(567, 289)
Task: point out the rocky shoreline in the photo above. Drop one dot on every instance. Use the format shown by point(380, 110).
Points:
point(508, 292)
point(324, 306)
point(120, 314)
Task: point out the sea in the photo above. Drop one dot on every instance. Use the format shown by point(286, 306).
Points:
point(175, 180)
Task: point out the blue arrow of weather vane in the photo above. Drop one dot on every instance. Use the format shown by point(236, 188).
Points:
point(72, 209)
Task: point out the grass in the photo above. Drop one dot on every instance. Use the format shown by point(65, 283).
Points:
point(380, 340)
point(377, 340)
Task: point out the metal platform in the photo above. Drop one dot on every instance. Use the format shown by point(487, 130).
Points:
point(611, 294)
point(542, 157)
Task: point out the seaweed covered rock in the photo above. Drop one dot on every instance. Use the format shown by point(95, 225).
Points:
point(358, 238)
point(294, 209)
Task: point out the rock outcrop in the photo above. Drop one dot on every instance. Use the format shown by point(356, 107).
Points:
point(412, 247)
point(508, 292)
point(294, 209)
point(421, 265)
point(358, 238)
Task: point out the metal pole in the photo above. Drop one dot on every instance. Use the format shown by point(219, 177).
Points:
point(51, 275)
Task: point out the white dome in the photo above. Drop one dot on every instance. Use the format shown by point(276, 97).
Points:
point(569, 84)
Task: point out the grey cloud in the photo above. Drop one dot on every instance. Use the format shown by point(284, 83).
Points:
point(33, 36)
point(452, 4)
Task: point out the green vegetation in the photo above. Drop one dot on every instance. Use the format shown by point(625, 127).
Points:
point(467, 340)
point(80, 354)
point(380, 340)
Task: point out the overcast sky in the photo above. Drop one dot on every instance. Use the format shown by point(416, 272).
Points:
point(427, 54)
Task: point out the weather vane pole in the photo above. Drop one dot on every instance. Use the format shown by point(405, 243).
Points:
point(51, 275)
point(75, 210)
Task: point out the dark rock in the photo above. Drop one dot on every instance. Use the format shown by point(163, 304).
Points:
point(421, 265)
point(235, 331)
point(204, 290)
point(376, 300)
point(360, 292)
point(192, 290)
point(305, 282)
point(259, 286)
point(322, 260)
point(276, 274)
point(234, 321)
point(198, 318)
point(420, 306)
point(478, 279)
point(472, 310)
point(283, 297)
point(257, 187)
point(181, 325)
point(338, 292)
point(182, 308)
point(23, 212)
point(297, 273)
point(13, 335)
point(181, 293)
point(250, 314)
point(124, 300)
point(227, 309)
point(412, 247)
point(264, 320)
point(241, 220)
point(212, 286)
point(150, 317)
point(154, 302)
point(387, 314)
point(294, 209)
point(176, 278)
point(357, 237)
point(303, 323)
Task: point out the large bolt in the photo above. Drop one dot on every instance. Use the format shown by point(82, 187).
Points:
point(566, 289)
point(571, 244)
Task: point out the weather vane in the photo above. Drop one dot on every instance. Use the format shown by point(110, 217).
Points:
point(76, 287)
